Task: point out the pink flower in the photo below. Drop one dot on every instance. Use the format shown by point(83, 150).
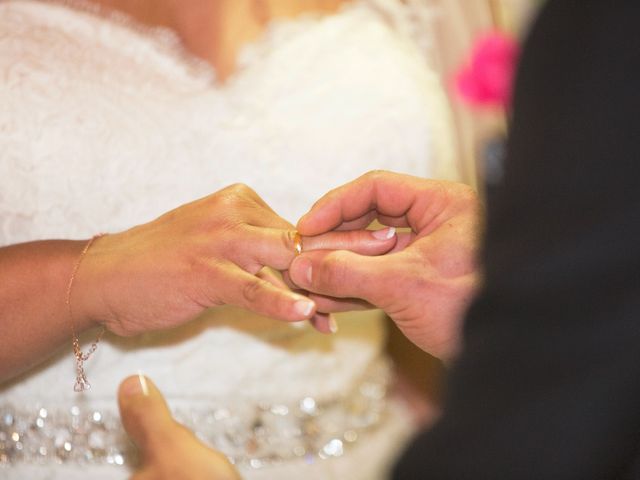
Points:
point(486, 80)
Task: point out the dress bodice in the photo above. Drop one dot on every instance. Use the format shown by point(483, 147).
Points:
point(104, 126)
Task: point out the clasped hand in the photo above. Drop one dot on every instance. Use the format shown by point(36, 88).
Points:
point(424, 283)
point(206, 253)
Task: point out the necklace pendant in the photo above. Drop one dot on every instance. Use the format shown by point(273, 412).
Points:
point(82, 384)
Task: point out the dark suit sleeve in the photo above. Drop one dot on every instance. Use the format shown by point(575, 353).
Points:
point(548, 386)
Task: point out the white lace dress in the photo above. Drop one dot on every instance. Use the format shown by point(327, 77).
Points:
point(104, 126)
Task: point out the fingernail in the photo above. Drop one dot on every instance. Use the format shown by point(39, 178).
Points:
point(298, 325)
point(143, 384)
point(304, 307)
point(384, 234)
point(301, 267)
point(333, 325)
point(135, 386)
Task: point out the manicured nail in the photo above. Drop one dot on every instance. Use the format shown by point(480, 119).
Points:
point(333, 325)
point(143, 383)
point(299, 325)
point(384, 234)
point(304, 307)
point(136, 386)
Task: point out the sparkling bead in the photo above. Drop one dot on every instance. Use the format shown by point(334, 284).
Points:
point(255, 435)
point(280, 410)
point(351, 436)
point(7, 419)
point(308, 406)
point(60, 437)
point(334, 448)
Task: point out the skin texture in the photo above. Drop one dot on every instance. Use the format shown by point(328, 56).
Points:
point(425, 282)
point(157, 275)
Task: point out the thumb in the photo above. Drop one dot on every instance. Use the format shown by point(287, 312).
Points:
point(145, 414)
point(342, 274)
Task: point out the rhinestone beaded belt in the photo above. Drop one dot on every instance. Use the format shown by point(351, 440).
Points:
point(254, 434)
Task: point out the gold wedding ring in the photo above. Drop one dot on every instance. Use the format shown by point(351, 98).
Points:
point(297, 243)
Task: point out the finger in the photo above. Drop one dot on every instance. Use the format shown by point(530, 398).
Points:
point(366, 220)
point(273, 278)
point(323, 302)
point(348, 203)
point(364, 242)
point(286, 278)
point(246, 206)
point(326, 304)
point(271, 247)
point(165, 445)
point(276, 248)
point(404, 240)
point(276, 280)
point(324, 323)
point(261, 296)
point(145, 414)
point(344, 274)
point(388, 194)
point(359, 223)
point(320, 321)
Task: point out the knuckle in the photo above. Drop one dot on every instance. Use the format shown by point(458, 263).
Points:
point(242, 190)
point(374, 175)
point(378, 172)
point(236, 191)
point(252, 290)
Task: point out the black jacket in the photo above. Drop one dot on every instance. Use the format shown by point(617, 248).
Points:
point(548, 386)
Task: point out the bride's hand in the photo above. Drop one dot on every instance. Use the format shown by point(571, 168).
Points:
point(168, 450)
point(202, 254)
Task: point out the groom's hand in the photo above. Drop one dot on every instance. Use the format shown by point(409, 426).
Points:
point(168, 450)
point(426, 281)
